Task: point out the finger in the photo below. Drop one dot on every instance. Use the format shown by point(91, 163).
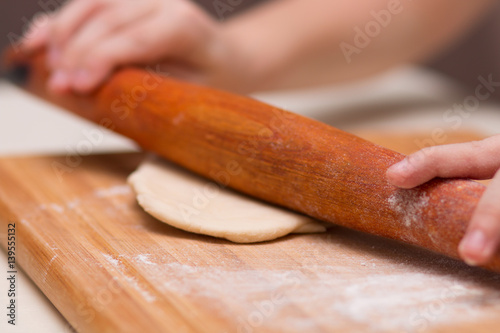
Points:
point(67, 21)
point(37, 34)
point(101, 61)
point(101, 28)
point(477, 160)
point(483, 234)
point(132, 45)
point(59, 82)
point(180, 70)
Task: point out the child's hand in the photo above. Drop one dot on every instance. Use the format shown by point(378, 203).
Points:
point(279, 44)
point(477, 160)
point(87, 39)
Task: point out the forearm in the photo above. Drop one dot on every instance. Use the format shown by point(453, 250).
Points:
point(293, 43)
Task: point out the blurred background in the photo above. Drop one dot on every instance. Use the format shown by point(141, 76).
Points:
point(476, 54)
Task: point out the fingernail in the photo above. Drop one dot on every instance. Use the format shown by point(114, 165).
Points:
point(81, 79)
point(59, 81)
point(402, 167)
point(471, 262)
point(53, 57)
point(474, 247)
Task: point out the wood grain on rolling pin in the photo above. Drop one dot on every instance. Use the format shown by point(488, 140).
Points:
point(275, 155)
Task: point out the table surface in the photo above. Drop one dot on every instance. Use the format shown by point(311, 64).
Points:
point(400, 100)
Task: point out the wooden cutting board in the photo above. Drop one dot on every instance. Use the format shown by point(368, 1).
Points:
point(109, 267)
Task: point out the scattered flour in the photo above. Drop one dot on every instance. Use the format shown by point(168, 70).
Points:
point(115, 262)
point(401, 300)
point(47, 269)
point(145, 258)
point(57, 208)
point(113, 191)
point(73, 204)
point(144, 293)
point(131, 280)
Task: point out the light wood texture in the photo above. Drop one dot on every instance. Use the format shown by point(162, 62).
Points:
point(109, 267)
point(408, 142)
point(274, 155)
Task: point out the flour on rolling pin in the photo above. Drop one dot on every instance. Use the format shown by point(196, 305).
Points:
point(410, 204)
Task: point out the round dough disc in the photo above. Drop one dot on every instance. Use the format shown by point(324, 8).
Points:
point(192, 203)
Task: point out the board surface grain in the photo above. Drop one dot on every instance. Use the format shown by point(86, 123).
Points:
point(109, 267)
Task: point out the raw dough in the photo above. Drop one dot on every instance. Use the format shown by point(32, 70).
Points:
point(189, 202)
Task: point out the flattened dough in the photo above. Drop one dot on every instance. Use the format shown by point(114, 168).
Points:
point(189, 202)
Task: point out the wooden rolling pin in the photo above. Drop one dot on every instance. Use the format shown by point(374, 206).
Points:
point(274, 155)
